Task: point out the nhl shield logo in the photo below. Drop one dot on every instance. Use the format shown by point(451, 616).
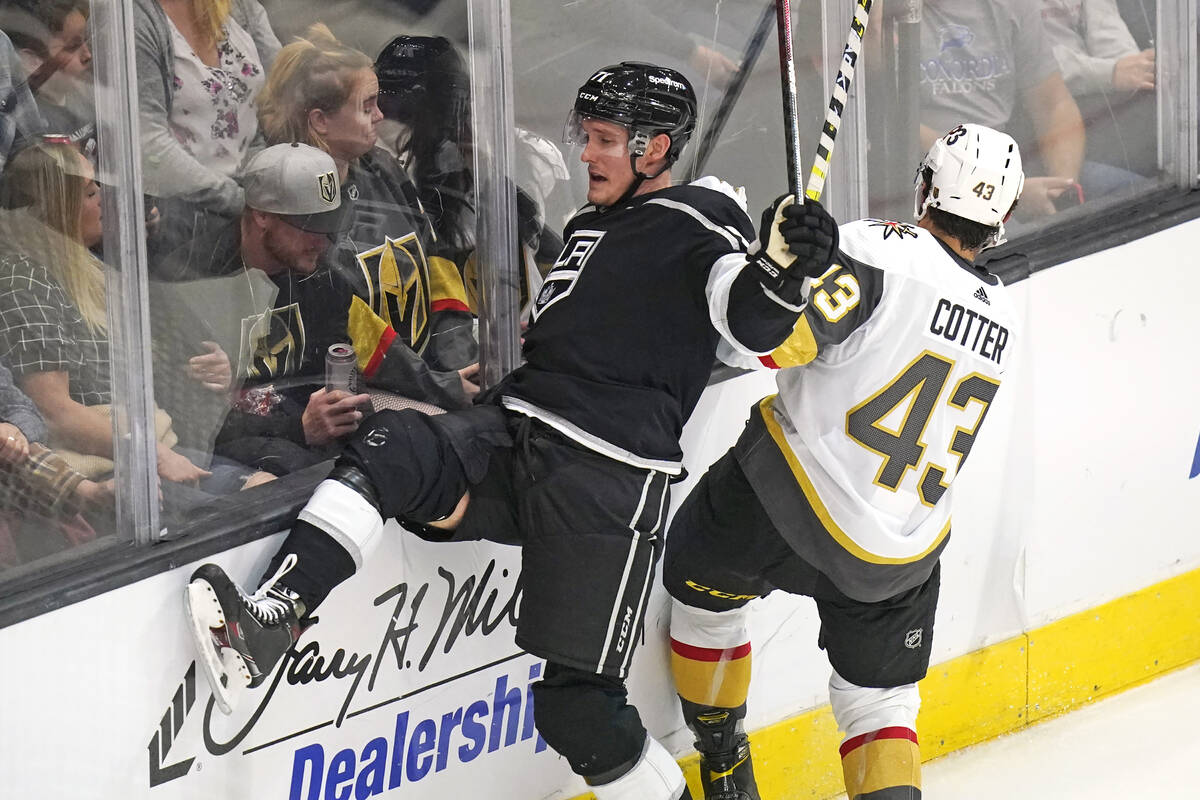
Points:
point(328, 186)
point(912, 639)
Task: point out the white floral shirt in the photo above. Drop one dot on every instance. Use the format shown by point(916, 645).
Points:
point(213, 114)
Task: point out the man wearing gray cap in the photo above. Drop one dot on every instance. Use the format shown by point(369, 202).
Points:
point(281, 320)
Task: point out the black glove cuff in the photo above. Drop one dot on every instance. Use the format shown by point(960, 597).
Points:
point(781, 282)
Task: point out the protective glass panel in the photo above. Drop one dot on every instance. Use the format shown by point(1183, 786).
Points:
point(727, 51)
point(60, 400)
point(309, 169)
point(1073, 81)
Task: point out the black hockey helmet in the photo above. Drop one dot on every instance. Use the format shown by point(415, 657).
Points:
point(416, 72)
point(645, 98)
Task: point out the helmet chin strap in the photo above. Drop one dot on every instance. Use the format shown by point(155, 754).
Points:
point(639, 177)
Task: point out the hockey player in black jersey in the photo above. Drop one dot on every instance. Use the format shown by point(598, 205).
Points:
point(839, 487)
point(572, 455)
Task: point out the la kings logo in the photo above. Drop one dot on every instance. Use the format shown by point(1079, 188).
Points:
point(567, 269)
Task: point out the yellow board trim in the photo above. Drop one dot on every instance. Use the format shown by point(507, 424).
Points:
point(999, 689)
point(765, 407)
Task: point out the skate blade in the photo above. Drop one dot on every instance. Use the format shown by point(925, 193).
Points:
point(224, 668)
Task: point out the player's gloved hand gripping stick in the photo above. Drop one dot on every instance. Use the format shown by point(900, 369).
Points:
point(794, 242)
point(798, 241)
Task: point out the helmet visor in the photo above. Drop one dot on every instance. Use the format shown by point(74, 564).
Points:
point(606, 138)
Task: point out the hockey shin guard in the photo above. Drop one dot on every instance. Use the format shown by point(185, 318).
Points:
point(880, 756)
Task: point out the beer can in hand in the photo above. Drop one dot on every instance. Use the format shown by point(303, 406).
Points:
point(341, 369)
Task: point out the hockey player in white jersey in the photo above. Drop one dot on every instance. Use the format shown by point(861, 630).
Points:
point(839, 488)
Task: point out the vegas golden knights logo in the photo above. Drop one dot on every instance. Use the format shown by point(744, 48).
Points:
point(328, 186)
point(398, 284)
point(273, 343)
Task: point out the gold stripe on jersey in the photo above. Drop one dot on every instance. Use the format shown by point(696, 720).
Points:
point(446, 283)
point(798, 349)
point(767, 409)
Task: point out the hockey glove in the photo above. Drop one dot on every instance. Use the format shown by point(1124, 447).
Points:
point(794, 242)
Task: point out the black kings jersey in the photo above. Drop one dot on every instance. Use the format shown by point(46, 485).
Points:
point(622, 340)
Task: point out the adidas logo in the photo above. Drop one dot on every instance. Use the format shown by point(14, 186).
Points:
point(980, 294)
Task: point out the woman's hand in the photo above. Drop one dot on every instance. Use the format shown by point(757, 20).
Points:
point(14, 447)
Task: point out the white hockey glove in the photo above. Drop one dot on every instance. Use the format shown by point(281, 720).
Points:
point(794, 242)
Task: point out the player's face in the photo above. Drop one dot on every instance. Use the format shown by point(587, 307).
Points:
point(607, 157)
point(293, 248)
point(352, 130)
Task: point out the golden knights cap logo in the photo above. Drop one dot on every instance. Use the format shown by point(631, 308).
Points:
point(328, 186)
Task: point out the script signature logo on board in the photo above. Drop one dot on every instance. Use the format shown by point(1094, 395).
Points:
point(421, 626)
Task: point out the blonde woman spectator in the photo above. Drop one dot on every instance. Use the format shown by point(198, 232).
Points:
point(200, 64)
point(322, 93)
point(53, 317)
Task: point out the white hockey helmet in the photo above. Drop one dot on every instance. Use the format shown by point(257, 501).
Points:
point(976, 175)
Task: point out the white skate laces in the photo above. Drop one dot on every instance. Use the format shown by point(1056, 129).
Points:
point(270, 604)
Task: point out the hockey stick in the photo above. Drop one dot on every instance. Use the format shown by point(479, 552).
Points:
point(733, 92)
point(837, 102)
point(787, 74)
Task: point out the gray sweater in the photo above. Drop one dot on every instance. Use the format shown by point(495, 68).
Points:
point(168, 169)
point(17, 408)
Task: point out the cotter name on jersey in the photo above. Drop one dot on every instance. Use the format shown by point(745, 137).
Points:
point(969, 329)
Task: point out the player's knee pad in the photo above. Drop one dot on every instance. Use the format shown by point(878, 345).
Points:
point(342, 509)
point(880, 756)
point(586, 718)
point(410, 462)
point(710, 655)
point(654, 776)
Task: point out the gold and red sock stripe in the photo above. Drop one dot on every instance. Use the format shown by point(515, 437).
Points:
point(710, 676)
point(882, 765)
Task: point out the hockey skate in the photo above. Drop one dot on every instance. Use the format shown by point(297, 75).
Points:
point(726, 771)
point(239, 637)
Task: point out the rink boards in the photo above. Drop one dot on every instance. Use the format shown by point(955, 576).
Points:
point(1071, 573)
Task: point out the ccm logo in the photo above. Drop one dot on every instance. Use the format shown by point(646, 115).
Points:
point(718, 593)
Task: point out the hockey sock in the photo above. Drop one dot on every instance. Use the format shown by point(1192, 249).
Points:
point(882, 765)
point(321, 564)
point(710, 656)
point(880, 756)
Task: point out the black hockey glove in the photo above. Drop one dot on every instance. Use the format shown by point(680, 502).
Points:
point(794, 242)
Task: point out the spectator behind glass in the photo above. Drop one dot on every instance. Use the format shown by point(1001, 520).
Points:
point(424, 94)
point(261, 288)
point(991, 62)
point(1111, 79)
point(325, 94)
point(51, 37)
point(200, 64)
point(43, 500)
point(19, 117)
point(985, 60)
point(53, 321)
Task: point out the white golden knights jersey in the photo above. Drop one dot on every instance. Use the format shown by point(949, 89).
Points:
point(884, 385)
